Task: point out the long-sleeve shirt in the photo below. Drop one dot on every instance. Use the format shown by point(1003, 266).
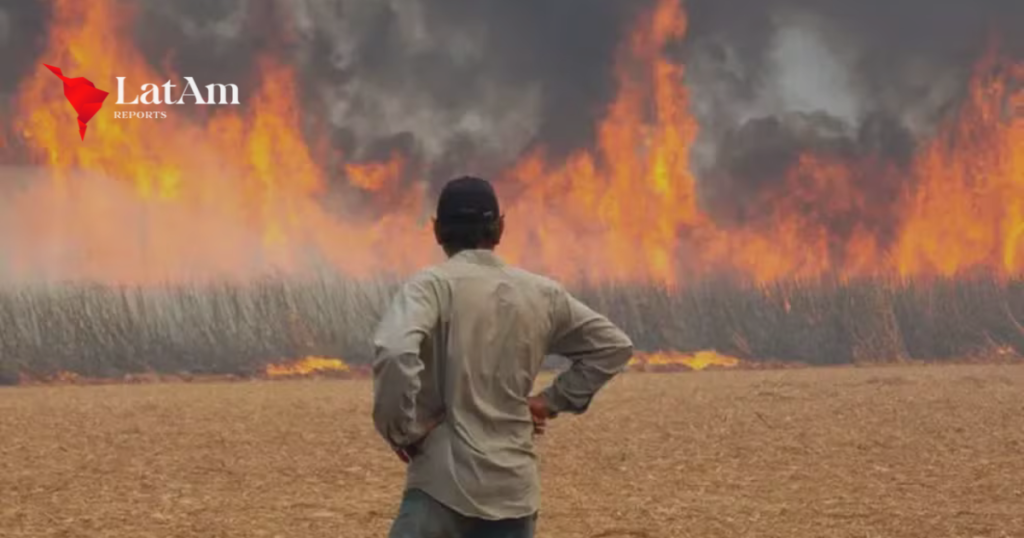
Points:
point(465, 340)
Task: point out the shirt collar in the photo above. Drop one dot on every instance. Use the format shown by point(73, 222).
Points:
point(479, 257)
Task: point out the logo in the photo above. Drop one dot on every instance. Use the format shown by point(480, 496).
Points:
point(87, 99)
point(83, 95)
point(216, 94)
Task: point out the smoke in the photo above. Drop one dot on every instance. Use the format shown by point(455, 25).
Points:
point(461, 86)
point(22, 37)
point(468, 86)
point(907, 59)
point(39, 223)
point(849, 81)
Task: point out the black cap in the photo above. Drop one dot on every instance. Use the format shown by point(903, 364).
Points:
point(467, 200)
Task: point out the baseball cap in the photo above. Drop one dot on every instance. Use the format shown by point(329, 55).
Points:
point(467, 200)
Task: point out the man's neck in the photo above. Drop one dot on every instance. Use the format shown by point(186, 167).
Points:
point(453, 253)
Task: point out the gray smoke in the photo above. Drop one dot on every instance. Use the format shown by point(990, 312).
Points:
point(855, 82)
point(456, 86)
point(22, 37)
point(467, 86)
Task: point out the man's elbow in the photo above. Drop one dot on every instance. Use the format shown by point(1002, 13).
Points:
point(380, 423)
point(625, 343)
point(388, 364)
point(624, 348)
point(386, 425)
point(383, 352)
point(614, 355)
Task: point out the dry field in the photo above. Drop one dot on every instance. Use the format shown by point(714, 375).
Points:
point(847, 452)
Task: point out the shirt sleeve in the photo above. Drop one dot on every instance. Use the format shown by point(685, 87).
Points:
point(597, 348)
point(410, 318)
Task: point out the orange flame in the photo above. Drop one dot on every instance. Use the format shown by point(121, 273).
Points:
point(241, 193)
point(968, 210)
point(65, 377)
point(156, 200)
point(697, 361)
point(307, 366)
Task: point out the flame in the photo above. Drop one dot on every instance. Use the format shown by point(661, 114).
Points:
point(242, 191)
point(968, 210)
point(65, 377)
point(621, 207)
point(375, 176)
point(697, 361)
point(307, 366)
point(164, 199)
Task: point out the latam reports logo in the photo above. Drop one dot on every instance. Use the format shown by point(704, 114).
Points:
point(83, 95)
point(87, 99)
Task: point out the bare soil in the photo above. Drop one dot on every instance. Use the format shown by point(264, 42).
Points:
point(846, 452)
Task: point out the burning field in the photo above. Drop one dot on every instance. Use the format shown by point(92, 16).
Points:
point(766, 181)
point(656, 185)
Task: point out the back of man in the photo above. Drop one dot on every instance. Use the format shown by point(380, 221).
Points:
point(457, 356)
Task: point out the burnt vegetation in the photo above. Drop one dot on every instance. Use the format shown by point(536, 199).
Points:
point(100, 331)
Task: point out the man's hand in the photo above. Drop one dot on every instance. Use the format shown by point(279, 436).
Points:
point(407, 453)
point(403, 455)
point(540, 412)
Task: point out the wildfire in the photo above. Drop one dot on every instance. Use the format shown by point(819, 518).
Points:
point(697, 361)
point(307, 366)
point(242, 192)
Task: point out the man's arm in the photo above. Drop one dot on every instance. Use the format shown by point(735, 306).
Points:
point(411, 316)
point(597, 348)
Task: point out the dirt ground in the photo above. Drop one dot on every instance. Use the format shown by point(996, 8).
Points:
point(880, 452)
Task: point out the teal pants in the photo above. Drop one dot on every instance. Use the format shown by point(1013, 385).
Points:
point(420, 516)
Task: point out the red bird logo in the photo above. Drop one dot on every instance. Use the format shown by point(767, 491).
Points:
point(83, 95)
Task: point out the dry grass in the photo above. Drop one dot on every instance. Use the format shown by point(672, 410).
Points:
point(238, 327)
point(847, 452)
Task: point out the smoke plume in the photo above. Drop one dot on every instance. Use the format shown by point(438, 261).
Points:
point(776, 79)
point(456, 86)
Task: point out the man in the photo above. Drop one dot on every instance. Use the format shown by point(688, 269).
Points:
point(456, 357)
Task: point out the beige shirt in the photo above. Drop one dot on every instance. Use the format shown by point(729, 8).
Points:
point(465, 340)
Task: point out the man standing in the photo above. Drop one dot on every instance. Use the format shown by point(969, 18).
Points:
point(457, 353)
